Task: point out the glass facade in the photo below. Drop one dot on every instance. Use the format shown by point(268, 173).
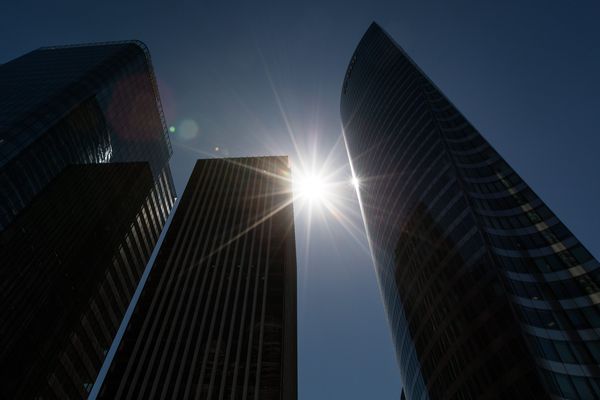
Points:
point(79, 104)
point(488, 294)
point(85, 192)
point(216, 318)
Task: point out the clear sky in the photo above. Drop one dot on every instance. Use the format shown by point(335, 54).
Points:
point(246, 76)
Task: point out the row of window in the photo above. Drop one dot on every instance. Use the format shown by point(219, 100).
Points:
point(536, 240)
point(487, 171)
point(577, 318)
point(580, 286)
point(557, 261)
point(569, 352)
point(571, 386)
point(483, 156)
point(519, 220)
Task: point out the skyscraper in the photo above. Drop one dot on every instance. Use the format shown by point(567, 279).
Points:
point(85, 191)
point(488, 294)
point(63, 294)
point(216, 318)
point(80, 104)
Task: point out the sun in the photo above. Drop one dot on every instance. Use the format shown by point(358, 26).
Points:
point(311, 187)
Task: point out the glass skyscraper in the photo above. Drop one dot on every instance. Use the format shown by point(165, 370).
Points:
point(216, 318)
point(488, 294)
point(85, 191)
point(80, 104)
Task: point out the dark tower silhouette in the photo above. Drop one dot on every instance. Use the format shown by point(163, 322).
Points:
point(488, 294)
point(217, 317)
point(85, 191)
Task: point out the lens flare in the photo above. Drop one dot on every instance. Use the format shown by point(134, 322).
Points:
point(311, 187)
point(188, 129)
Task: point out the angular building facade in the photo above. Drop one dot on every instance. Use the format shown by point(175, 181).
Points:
point(488, 294)
point(85, 191)
point(216, 318)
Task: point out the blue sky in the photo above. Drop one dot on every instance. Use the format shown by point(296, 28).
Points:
point(246, 74)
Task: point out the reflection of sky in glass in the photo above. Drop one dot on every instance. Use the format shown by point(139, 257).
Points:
point(105, 153)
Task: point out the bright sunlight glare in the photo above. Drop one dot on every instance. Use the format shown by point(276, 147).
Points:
point(311, 187)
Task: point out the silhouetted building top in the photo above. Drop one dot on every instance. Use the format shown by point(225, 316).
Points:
point(488, 294)
point(217, 317)
point(77, 104)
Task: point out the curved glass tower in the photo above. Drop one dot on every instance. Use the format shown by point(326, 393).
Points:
point(488, 294)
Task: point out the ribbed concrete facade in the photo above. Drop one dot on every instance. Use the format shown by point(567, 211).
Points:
point(217, 316)
point(488, 294)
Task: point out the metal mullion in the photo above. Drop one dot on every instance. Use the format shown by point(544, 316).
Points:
point(155, 212)
point(160, 195)
point(155, 299)
point(82, 352)
point(206, 228)
point(180, 335)
point(208, 247)
point(222, 272)
point(125, 285)
point(142, 246)
point(97, 315)
point(167, 288)
point(245, 215)
point(238, 219)
point(200, 268)
point(114, 291)
point(249, 340)
point(231, 326)
point(181, 283)
point(264, 299)
point(108, 308)
point(251, 336)
point(221, 327)
point(92, 337)
point(229, 199)
point(201, 328)
point(254, 201)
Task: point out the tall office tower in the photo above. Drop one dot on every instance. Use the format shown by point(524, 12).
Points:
point(85, 191)
point(488, 294)
point(64, 286)
point(217, 316)
point(81, 104)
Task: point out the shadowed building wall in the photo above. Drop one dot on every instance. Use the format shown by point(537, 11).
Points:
point(70, 263)
point(63, 109)
point(488, 294)
point(217, 317)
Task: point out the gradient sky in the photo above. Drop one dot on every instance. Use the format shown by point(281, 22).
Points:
point(250, 74)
